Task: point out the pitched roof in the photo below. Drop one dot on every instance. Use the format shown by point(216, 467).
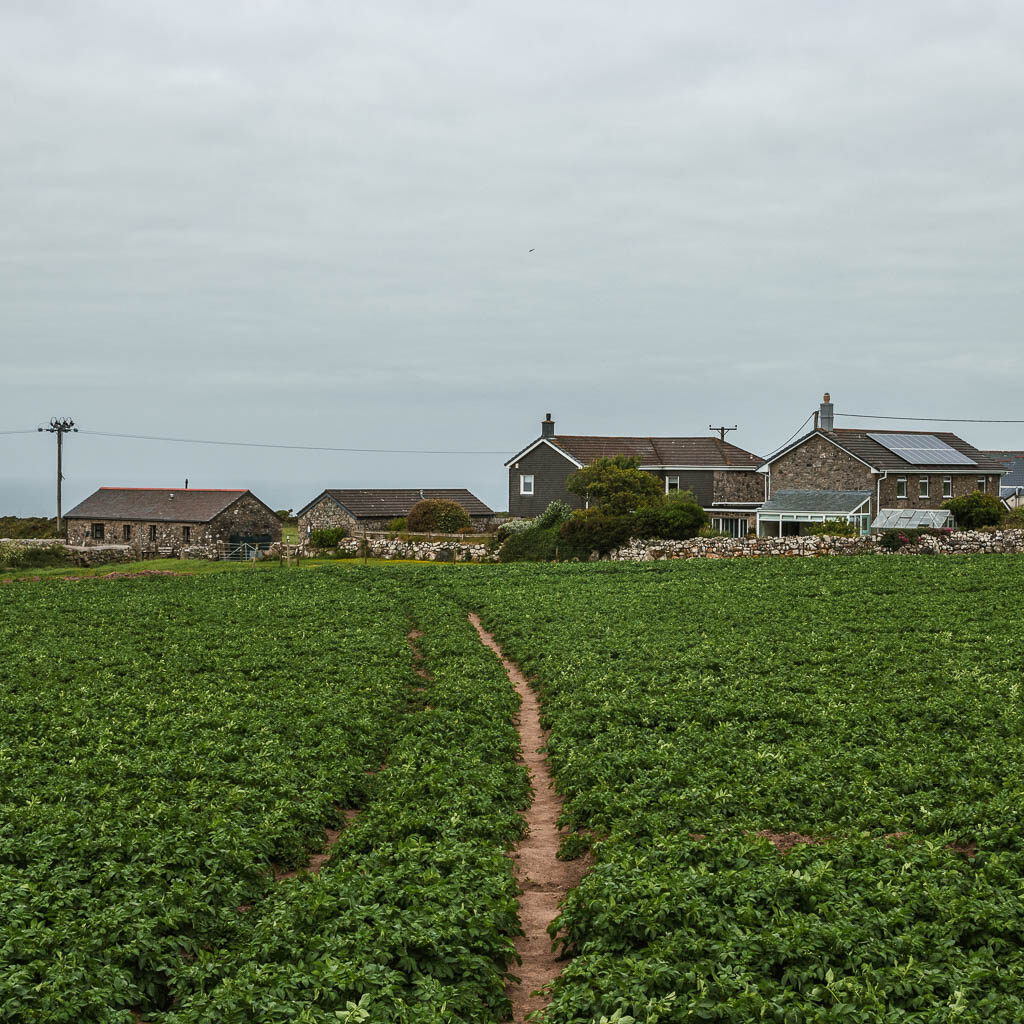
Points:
point(155, 504)
point(861, 445)
point(657, 451)
point(1014, 462)
point(815, 501)
point(381, 503)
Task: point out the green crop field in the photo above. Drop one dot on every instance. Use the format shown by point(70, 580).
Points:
point(802, 782)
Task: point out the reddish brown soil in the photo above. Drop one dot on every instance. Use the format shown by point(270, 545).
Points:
point(543, 878)
point(417, 654)
point(968, 850)
point(317, 860)
point(785, 841)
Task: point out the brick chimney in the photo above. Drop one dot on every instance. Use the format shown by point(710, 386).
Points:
point(547, 426)
point(826, 414)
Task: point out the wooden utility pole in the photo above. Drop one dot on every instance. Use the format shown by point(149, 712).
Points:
point(721, 431)
point(60, 428)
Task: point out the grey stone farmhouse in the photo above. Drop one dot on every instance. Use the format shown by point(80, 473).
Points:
point(874, 478)
point(171, 522)
point(374, 508)
point(723, 477)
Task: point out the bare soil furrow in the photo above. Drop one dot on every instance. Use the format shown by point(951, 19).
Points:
point(543, 879)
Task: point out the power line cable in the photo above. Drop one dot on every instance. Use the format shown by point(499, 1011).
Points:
point(791, 436)
point(289, 447)
point(19, 431)
point(921, 419)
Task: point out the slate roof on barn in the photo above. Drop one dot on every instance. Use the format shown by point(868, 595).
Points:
point(654, 452)
point(156, 504)
point(815, 501)
point(1014, 462)
point(861, 445)
point(382, 503)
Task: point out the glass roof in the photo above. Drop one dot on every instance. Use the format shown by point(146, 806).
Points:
point(911, 518)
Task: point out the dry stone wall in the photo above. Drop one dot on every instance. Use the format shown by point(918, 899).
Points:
point(961, 543)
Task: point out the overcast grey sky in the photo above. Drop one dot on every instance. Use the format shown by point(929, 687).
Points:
point(311, 222)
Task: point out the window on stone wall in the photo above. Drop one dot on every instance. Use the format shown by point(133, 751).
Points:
point(923, 487)
point(526, 483)
point(97, 531)
point(901, 487)
point(947, 487)
point(152, 533)
point(981, 484)
point(186, 534)
point(126, 532)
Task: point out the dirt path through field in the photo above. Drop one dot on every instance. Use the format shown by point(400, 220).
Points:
point(543, 878)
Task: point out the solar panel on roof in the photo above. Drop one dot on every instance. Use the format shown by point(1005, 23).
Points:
point(922, 450)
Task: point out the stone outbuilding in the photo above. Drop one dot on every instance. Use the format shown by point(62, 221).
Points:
point(167, 522)
point(374, 508)
point(899, 469)
point(722, 477)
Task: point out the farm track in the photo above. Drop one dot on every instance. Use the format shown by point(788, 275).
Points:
point(543, 879)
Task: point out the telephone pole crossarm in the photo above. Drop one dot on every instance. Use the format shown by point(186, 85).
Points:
point(722, 431)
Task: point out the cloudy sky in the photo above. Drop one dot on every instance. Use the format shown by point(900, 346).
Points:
point(312, 223)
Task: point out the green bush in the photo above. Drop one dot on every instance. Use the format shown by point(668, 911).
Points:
point(329, 537)
point(34, 527)
point(555, 514)
point(511, 526)
point(893, 540)
point(286, 517)
point(398, 525)
point(593, 530)
point(615, 486)
point(33, 556)
point(532, 545)
point(433, 515)
point(669, 520)
point(974, 510)
point(1014, 519)
point(832, 528)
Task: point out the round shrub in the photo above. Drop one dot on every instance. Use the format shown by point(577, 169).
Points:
point(593, 530)
point(555, 514)
point(532, 545)
point(398, 525)
point(433, 515)
point(974, 510)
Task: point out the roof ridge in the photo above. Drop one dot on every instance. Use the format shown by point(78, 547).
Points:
point(171, 487)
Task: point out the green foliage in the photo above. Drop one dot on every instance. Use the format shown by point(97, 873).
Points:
point(28, 528)
point(151, 781)
point(832, 528)
point(677, 519)
point(974, 510)
point(437, 516)
point(593, 530)
point(32, 556)
point(398, 525)
point(1014, 518)
point(555, 514)
point(694, 705)
point(510, 526)
point(286, 516)
point(893, 540)
point(615, 486)
point(530, 545)
point(329, 537)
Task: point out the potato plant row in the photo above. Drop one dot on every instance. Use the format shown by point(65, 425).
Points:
point(866, 714)
point(165, 744)
point(413, 919)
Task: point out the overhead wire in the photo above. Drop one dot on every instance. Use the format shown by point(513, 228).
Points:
point(791, 436)
point(290, 447)
point(921, 419)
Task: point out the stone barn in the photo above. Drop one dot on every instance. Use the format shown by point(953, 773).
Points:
point(166, 522)
point(358, 510)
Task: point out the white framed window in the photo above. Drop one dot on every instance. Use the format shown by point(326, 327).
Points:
point(901, 487)
point(526, 483)
point(922, 487)
point(981, 484)
point(947, 487)
point(671, 484)
point(733, 527)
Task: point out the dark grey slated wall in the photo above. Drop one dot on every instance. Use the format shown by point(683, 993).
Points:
point(550, 471)
point(700, 481)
